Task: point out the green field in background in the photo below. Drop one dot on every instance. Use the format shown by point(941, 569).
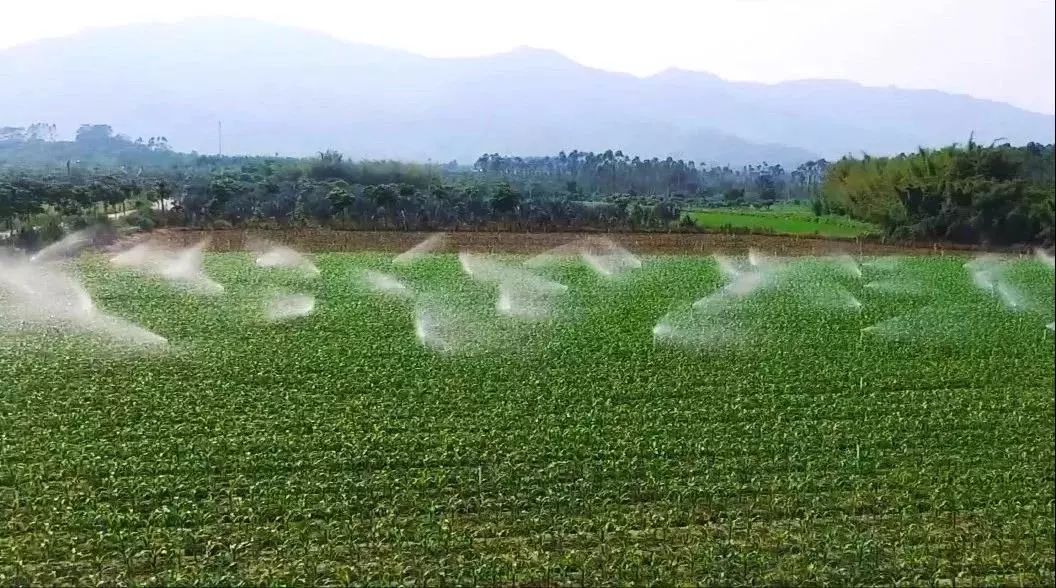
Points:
point(783, 220)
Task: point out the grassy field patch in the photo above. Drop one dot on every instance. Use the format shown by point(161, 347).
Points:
point(783, 220)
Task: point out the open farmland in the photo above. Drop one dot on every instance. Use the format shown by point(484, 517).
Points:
point(783, 220)
point(828, 422)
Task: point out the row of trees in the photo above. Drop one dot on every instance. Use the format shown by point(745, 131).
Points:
point(577, 175)
point(23, 195)
point(404, 206)
point(35, 146)
point(584, 173)
point(322, 191)
point(971, 194)
point(999, 194)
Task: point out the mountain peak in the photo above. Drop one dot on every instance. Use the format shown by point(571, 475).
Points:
point(529, 55)
point(677, 72)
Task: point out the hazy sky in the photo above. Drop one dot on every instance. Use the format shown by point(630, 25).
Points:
point(998, 49)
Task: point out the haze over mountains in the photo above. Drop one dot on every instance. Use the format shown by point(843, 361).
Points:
point(284, 90)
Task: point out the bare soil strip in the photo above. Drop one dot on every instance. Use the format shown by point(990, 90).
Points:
point(321, 240)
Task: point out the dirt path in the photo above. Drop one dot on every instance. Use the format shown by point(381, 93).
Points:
point(320, 240)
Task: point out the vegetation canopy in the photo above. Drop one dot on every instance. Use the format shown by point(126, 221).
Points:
point(999, 195)
point(972, 194)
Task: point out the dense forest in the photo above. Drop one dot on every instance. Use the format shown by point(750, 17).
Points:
point(997, 194)
point(585, 174)
point(972, 194)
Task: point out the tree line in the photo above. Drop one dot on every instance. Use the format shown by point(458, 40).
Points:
point(584, 174)
point(994, 194)
point(146, 184)
point(997, 194)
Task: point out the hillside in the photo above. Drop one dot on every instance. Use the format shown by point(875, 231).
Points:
point(283, 90)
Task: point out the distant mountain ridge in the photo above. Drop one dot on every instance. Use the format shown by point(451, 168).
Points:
point(296, 92)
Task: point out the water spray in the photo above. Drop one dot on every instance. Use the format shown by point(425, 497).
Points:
point(65, 247)
point(280, 256)
point(448, 330)
point(522, 293)
point(284, 307)
point(886, 264)
point(1009, 296)
point(742, 280)
point(430, 331)
point(561, 252)
point(183, 268)
point(984, 271)
point(757, 259)
point(43, 297)
point(602, 255)
point(729, 268)
point(430, 244)
point(387, 285)
point(1045, 258)
point(989, 274)
point(698, 331)
point(846, 264)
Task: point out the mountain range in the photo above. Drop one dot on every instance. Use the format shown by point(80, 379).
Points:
point(285, 90)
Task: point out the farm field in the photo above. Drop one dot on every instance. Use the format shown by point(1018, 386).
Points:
point(827, 420)
point(783, 220)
